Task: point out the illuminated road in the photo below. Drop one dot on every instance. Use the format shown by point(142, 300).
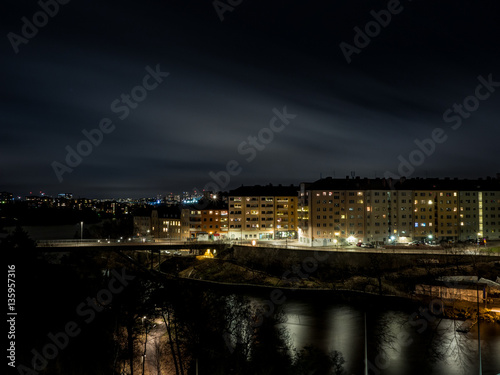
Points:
point(55, 245)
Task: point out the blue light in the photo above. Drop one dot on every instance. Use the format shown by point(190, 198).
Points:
point(190, 201)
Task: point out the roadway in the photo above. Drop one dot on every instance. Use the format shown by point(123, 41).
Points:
point(112, 245)
point(67, 245)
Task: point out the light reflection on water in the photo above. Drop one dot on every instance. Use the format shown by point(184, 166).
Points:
point(394, 346)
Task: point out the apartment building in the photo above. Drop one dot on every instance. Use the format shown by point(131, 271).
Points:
point(378, 215)
point(263, 212)
point(384, 210)
point(424, 214)
point(447, 215)
point(208, 217)
point(190, 222)
point(401, 215)
point(142, 222)
point(334, 211)
point(469, 215)
point(166, 223)
point(489, 214)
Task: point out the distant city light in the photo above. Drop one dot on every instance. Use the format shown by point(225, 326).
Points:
point(191, 201)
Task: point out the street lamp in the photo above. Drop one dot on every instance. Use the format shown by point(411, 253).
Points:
point(81, 231)
point(145, 344)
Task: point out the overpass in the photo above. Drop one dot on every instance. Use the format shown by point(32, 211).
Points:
point(113, 245)
point(103, 245)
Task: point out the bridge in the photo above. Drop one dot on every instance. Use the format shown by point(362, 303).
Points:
point(196, 246)
point(113, 245)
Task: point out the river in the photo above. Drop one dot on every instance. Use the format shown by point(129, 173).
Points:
point(397, 344)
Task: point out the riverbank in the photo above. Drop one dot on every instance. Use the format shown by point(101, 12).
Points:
point(391, 288)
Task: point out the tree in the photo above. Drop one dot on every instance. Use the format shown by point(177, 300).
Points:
point(18, 246)
point(313, 361)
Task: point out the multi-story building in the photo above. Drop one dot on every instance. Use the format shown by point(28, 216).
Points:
point(447, 217)
point(383, 210)
point(142, 222)
point(425, 211)
point(331, 211)
point(378, 215)
point(489, 214)
point(468, 215)
point(35, 201)
point(263, 212)
point(191, 222)
point(401, 215)
point(166, 223)
point(208, 216)
point(340, 210)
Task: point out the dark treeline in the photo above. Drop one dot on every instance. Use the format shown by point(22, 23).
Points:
point(22, 214)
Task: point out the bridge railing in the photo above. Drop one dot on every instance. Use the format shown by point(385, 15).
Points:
point(123, 242)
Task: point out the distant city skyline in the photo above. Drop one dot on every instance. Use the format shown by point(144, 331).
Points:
point(130, 100)
point(189, 194)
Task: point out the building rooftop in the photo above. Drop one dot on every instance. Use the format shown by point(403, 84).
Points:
point(207, 204)
point(266, 190)
point(168, 211)
point(357, 183)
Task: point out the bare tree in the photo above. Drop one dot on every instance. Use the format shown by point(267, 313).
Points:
point(167, 318)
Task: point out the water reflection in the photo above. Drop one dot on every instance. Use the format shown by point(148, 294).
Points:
point(395, 346)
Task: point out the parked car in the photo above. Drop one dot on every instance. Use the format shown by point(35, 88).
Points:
point(367, 245)
point(416, 243)
point(359, 244)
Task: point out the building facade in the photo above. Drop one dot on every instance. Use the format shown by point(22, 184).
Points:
point(333, 211)
point(263, 212)
point(166, 223)
point(142, 222)
point(209, 217)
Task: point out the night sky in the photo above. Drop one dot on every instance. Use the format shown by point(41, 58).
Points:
point(225, 79)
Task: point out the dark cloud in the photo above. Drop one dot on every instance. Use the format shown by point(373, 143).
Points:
point(226, 78)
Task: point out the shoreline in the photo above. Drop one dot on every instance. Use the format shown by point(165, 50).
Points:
point(463, 310)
